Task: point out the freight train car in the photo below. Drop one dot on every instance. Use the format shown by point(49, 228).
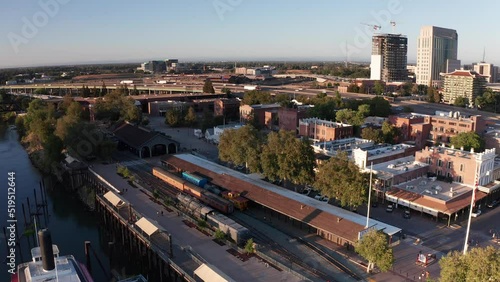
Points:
point(233, 230)
point(206, 197)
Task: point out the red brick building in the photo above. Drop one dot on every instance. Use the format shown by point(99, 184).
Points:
point(324, 130)
point(229, 108)
point(288, 118)
point(249, 112)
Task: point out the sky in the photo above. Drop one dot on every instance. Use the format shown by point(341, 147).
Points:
point(53, 32)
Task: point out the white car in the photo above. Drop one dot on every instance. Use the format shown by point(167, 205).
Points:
point(318, 197)
point(476, 214)
point(325, 199)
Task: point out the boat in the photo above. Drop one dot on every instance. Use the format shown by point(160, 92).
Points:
point(47, 265)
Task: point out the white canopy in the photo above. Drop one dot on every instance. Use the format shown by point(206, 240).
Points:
point(115, 199)
point(211, 273)
point(148, 226)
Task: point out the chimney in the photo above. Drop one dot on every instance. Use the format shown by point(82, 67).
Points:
point(46, 249)
point(472, 150)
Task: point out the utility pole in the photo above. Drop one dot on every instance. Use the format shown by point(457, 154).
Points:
point(466, 244)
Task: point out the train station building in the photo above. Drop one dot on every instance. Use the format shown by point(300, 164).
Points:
point(143, 142)
point(328, 221)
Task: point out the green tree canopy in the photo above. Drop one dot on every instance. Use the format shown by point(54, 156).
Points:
point(190, 117)
point(374, 247)
point(461, 102)
point(380, 107)
point(173, 118)
point(285, 157)
point(340, 178)
point(208, 87)
point(257, 97)
point(390, 133)
point(373, 134)
point(379, 87)
point(468, 140)
point(351, 117)
point(241, 146)
point(479, 264)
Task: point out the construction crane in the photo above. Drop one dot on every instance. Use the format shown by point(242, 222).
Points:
point(393, 23)
point(374, 26)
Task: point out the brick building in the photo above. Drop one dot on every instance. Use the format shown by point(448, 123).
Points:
point(288, 118)
point(439, 128)
point(229, 108)
point(249, 112)
point(324, 130)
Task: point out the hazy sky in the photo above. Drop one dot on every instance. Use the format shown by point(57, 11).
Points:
point(78, 31)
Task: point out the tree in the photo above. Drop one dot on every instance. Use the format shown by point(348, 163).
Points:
point(372, 134)
point(351, 117)
point(226, 91)
point(468, 140)
point(67, 100)
point(41, 91)
point(461, 102)
point(173, 118)
point(285, 157)
point(208, 87)
point(379, 87)
point(241, 146)
point(250, 246)
point(380, 107)
point(257, 97)
point(341, 179)
point(220, 235)
point(190, 117)
point(390, 133)
point(374, 247)
point(479, 264)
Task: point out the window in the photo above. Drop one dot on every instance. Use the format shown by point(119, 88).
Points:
point(461, 167)
point(459, 179)
point(429, 161)
point(450, 165)
point(439, 163)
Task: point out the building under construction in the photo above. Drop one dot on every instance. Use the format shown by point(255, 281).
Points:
point(389, 57)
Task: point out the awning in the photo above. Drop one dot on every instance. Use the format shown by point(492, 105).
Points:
point(211, 273)
point(115, 199)
point(148, 226)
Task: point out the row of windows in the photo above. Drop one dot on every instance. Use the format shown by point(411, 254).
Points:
point(440, 163)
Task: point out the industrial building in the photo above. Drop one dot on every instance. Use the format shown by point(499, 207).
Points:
point(389, 57)
point(462, 83)
point(435, 46)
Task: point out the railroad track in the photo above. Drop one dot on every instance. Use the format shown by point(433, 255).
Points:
point(283, 252)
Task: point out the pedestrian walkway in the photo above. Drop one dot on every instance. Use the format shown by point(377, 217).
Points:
point(187, 238)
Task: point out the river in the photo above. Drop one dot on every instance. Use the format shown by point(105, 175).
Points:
point(69, 221)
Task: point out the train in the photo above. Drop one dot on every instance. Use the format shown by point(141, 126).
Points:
point(232, 229)
point(187, 187)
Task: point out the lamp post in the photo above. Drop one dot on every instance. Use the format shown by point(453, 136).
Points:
point(369, 197)
point(466, 244)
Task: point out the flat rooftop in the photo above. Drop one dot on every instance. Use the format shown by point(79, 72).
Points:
point(322, 122)
point(383, 150)
point(392, 168)
point(440, 190)
point(347, 145)
point(308, 201)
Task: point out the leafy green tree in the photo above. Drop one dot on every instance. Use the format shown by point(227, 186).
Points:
point(190, 117)
point(373, 134)
point(226, 91)
point(379, 87)
point(479, 264)
point(379, 107)
point(374, 247)
point(433, 95)
point(341, 179)
point(241, 146)
point(250, 246)
point(257, 97)
point(67, 100)
point(41, 91)
point(390, 133)
point(468, 140)
point(220, 235)
point(351, 117)
point(104, 90)
point(208, 87)
point(324, 109)
point(285, 157)
point(461, 102)
point(173, 118)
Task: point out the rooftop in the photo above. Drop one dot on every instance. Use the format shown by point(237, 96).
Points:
point(381, 150)
point(469, 73)
point(392, 168)
point(346, 145)
point(265, 106)
point(327, 123)
point(301, 207)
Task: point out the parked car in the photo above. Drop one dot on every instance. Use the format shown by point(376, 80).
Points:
point(407, 214)
point(325, 199)
point(493, 204)
point(476, 213)
point(389, 208)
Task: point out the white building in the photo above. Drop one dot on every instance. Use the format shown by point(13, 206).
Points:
point(487, 70)
point(214, 136)
point(435, 46)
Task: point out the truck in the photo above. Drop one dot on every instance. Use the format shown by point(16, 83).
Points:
point(251, 87)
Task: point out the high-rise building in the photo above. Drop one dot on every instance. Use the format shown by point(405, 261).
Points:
point(436, 45)
point(389, 57)
point(462, 83)
point(487, 70)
